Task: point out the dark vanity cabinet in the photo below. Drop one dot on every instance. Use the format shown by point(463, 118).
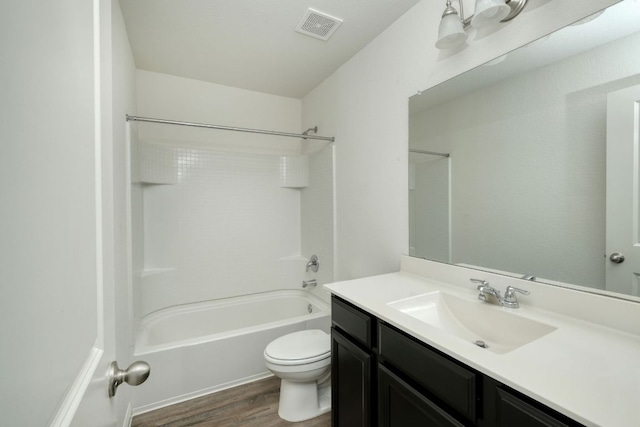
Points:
point(353, 364)
point(383, 377)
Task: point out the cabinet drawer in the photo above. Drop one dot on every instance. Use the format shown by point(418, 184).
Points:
point(445, 379)
point(513, 411)
point(355, 322)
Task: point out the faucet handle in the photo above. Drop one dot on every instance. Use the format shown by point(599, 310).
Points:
point(482, 283)
point(487, 292)
point(510, 300)
point(510, 292)
point(313, 264)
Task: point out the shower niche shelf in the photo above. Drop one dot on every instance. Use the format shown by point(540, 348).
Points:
point(156, 182)
point(156, 164)
point(148, 272)
point(294, 172)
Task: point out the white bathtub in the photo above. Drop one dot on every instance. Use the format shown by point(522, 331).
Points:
point(200, 348)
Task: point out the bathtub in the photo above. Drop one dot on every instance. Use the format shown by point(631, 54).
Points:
point(200, 348)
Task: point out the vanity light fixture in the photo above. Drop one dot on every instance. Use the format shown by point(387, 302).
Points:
point(451, 32)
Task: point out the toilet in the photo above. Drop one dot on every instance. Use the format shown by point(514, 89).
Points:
point(302, 360)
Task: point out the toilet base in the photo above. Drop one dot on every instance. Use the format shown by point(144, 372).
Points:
point(301, 401)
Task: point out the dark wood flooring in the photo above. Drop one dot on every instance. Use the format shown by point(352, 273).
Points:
point(250, 405)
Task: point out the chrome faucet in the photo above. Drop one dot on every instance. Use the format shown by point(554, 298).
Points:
point(487, 292)
point(492, 295)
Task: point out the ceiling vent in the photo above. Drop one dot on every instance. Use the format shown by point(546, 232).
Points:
point(318, 24)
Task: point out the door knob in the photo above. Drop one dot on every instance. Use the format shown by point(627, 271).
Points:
point(616, 258)
point(135, 374)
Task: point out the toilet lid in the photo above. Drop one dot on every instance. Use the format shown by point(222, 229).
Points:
point(303, 347)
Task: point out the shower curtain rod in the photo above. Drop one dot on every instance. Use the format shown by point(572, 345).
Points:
point(433, 153)
point(203, 125)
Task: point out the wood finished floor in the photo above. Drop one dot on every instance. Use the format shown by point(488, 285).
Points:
point(250, 405)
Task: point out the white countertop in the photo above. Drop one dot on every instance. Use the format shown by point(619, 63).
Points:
point(587, 371)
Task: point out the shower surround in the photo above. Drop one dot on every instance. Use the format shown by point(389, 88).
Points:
point(217, 214)
point(216, 224)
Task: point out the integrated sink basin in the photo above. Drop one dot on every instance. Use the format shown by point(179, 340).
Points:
point(476, 322)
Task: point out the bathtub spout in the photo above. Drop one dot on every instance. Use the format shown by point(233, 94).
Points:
point(309, 283)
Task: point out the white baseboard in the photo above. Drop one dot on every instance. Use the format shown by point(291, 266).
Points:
point(128, 416)
point(72, 399)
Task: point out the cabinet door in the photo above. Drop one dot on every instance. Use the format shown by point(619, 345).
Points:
point(351, 383)
point(513, 411)
point(450, 381)
point(402, 406)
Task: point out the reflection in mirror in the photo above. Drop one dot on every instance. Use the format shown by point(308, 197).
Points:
point(508, 162)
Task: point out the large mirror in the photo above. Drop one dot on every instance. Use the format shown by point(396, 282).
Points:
point(510, 162)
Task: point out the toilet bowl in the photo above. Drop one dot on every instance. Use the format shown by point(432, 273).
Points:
point(302, 360)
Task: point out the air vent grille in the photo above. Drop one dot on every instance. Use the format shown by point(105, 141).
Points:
point(318, 24)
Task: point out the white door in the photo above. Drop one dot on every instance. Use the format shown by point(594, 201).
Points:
point(623, 191)
point(57, 329)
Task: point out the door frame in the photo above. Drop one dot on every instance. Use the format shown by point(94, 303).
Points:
point(87, 399)
point(622, 204)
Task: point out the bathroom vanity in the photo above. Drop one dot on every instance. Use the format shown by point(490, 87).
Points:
point(401, 355)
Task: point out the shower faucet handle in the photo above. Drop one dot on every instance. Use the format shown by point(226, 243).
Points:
point(313, 264)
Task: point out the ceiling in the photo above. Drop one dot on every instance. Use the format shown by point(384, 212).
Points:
point(251, 44)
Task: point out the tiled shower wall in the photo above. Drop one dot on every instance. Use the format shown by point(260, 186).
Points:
point(217, 224)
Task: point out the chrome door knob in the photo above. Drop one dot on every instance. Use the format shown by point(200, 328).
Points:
point(616, 258)
point(135, 374)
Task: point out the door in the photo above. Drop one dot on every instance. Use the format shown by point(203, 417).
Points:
point(56, 245)
point(623, 191)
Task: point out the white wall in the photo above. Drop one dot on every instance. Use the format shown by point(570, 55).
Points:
point(48, 229)
point(364, 104)
point(176, 98)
